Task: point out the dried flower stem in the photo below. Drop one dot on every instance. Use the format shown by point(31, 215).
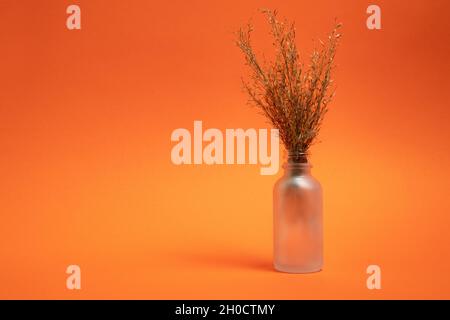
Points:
point(292, 97)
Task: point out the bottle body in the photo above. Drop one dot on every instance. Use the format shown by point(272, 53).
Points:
point(298, 221)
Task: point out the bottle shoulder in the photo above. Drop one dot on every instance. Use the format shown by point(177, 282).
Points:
point(307, 182)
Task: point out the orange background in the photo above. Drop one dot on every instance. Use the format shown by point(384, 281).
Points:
point(86, 176)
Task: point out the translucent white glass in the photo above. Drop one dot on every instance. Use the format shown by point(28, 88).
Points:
point(298, 230)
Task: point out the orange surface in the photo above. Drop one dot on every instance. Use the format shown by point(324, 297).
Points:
point(86, 176)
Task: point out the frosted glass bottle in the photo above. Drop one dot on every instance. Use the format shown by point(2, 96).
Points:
point(297, 217)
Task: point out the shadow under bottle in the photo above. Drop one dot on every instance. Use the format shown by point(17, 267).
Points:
point(297, 218)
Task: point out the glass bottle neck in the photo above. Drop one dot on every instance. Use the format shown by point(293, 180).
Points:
point(297, 157)
point(297, 164)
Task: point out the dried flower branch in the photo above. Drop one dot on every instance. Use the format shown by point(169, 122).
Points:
point(293, 98)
